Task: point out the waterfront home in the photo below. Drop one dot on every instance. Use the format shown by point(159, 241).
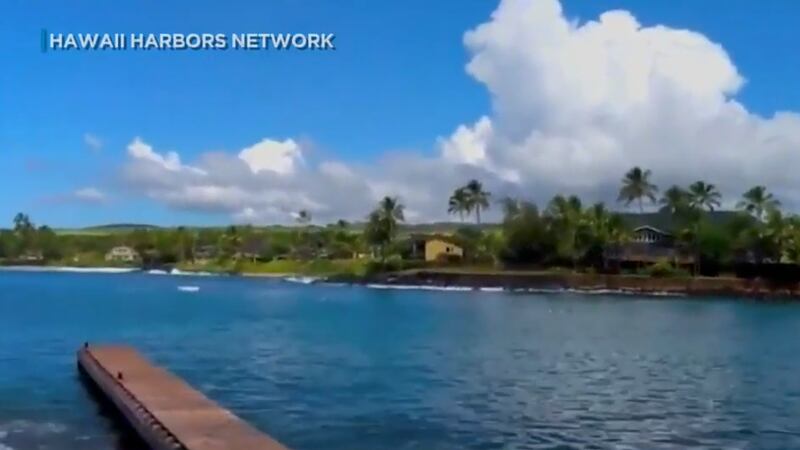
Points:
point(122, 253)
point(648, 245)
point(435, 248)
point(205, 253)
point(32, 256)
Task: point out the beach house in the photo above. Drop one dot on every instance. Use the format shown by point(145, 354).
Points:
point(122, 253)
point(648, 245)
point(435, 248)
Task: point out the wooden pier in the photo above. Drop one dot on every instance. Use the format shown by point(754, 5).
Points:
point(163, 410)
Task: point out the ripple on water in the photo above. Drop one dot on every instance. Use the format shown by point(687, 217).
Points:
point(383, 369)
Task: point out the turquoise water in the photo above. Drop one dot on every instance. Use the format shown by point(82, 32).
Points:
point(347, 368)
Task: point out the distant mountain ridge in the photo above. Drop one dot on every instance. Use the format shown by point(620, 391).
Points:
point(660, 219)
point(115, 226)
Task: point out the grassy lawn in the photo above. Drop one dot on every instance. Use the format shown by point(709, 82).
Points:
point(320, 267)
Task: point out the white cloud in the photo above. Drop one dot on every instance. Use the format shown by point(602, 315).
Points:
point(171, 161)
point(93, 142)
point(276, 156)
point(90, 195)
point(574, 105)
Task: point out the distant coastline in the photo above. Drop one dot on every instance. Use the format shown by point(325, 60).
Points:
point(459, 279)
point(569, 281)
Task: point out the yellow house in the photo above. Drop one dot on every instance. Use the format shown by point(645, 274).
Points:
point(437, 248)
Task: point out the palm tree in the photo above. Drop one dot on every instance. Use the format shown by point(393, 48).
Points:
point(303, 217)
point(512, 208)
point(775, 234)
point(636, 185)
point(604, 225)
point(604, 230)
point(383, 223)
point(791, 247)
point(230, 242)
point(704, 195)
point(478, 198)
point(22, 223)
point(674, 199)
point(391, 210)
point(757, 201)
point(566, 214)
point(459, 203)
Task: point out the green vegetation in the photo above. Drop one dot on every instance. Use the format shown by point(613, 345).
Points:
point(564, 235)
point(664, 269)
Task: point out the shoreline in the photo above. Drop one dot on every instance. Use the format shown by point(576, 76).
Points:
point(594, 283)
point(496, 281)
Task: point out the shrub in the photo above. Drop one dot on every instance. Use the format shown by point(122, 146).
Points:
point(664, 269)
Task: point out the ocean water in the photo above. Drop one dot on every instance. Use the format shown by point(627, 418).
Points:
point(348, 368)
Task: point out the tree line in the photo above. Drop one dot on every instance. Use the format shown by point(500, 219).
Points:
point(563, 232)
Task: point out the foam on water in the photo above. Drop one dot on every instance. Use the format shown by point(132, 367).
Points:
point(175, 271)
point(189, 288)
point(491, 289)
point(302, 280)
point(70, 269)
point(421, 287)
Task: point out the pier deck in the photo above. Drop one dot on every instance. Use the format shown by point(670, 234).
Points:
point(164, 410)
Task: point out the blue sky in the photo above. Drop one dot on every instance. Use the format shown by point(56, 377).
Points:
point(395, 83)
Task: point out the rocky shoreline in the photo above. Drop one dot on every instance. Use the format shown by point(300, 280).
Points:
point(683, 286)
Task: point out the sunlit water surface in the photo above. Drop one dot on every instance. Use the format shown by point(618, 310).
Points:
point(347, 368)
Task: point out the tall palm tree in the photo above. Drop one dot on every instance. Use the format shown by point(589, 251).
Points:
point(604, 230)
point(459, 203)
point(791, 247)
point(478, 198)
point(382, 224)
point(674, 199)
point(605, 226)
point(636, 185)
point(566, 214)
point(775, 234)
point(390, 212)
point(303, 217)
point(704, 195)
point(22, 222)
point(512, 208)
point(757, 201)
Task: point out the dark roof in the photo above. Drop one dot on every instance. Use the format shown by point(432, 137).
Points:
point(652, 228)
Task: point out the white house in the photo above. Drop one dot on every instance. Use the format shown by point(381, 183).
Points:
point(122, 253)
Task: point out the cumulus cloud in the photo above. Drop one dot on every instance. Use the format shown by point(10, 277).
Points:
point(574, 105)
point(276, 156)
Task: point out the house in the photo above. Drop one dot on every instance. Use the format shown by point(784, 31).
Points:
point(647, 246)
point(32, 256)
point(205, 253)
point(122, 253)
point(435, 248)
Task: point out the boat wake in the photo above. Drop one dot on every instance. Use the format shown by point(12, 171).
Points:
point(302, 280)
point(178, 272)
point(189, 288)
